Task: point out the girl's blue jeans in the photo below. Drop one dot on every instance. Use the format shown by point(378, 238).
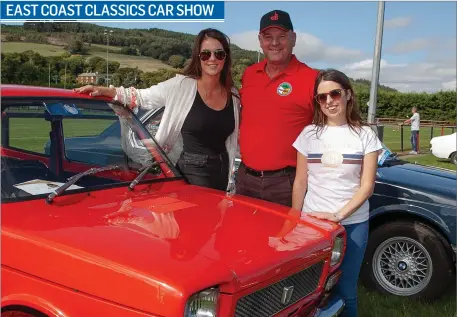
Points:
point(357, 237)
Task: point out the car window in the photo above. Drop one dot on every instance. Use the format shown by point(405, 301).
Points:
point(23, 130)
point(46, 142)
point(152, 123)
point(113, 129)
point(85, 141)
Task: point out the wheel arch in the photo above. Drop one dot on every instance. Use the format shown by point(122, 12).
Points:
point(380, 218)
point(27, 303)
point(22, 308)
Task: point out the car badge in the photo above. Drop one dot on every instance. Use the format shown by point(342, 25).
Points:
point(287, 294)
point(71, 109)
point(284, 89)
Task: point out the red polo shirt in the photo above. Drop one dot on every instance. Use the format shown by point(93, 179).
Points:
point(274, 112)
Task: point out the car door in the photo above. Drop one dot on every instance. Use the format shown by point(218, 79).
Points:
point(108, 140)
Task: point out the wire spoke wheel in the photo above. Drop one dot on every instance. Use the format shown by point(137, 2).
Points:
point(402, 266)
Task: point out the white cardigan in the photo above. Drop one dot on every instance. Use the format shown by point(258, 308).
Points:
point(177, 95)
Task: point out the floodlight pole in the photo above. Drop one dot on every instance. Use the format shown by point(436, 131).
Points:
point(108, 34)
point(376, 63)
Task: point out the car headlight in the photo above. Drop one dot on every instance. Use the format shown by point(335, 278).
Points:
point(202, 304)
point(337, 250)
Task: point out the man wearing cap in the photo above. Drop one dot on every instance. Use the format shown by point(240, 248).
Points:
point(276, 100)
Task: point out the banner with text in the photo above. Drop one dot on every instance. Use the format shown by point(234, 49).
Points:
point(112, 11)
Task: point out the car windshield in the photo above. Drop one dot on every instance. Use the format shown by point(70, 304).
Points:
point(46, 142)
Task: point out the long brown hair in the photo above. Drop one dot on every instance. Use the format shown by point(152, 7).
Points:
point(353, 117)
point(194, 68)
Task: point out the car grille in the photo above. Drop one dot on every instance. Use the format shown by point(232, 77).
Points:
point(267, 301)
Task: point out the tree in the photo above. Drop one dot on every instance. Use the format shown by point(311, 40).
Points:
point(127, 76)
point(153, 78)
point(76, 47)
point(176, 61)
point(237, 72)
point(10, 65)
point(129, 50)
point(28, 74)
point(96, 64)
point(76, 65)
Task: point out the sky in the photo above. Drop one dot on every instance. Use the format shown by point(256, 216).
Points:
point(418, 47)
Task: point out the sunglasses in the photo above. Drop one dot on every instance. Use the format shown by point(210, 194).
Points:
point(206, 55)
point(335, 94)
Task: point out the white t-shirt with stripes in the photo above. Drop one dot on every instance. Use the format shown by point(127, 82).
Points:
point(335, 155)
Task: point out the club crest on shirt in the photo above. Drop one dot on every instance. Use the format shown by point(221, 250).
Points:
point(284, 89)
point(332, 159)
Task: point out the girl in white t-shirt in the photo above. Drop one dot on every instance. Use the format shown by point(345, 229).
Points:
point(336, 172)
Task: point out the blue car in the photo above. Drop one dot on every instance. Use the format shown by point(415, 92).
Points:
point(411, 249)
point(106, 142)
point(412, 243)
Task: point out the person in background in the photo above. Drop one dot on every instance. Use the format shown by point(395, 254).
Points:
point(415, 126)
point(276, 100)
point(199, 127)
point(336, 173)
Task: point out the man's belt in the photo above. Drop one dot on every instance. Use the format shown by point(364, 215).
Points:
point(279, 172)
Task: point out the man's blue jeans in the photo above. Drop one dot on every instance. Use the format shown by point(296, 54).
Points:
point(357, 238)
point(414, 136)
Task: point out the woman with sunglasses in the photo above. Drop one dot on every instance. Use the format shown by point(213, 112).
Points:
point(336, 171)
point(199, 127)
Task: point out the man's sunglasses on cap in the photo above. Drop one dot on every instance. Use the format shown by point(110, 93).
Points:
point(335, 94)
point(218, 54)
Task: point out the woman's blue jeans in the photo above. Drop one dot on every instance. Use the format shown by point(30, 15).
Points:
point(357, 237)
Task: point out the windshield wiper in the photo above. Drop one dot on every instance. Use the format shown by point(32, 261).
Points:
point(140, 176)
point(72, 180)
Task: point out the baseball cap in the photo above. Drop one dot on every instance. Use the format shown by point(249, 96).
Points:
point(276, 18)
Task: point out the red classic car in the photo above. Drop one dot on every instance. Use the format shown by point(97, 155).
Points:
point(115, 230)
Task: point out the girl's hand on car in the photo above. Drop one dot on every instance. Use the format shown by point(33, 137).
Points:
point(334, 217)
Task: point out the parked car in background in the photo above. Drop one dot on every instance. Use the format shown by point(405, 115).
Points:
point(411, 249)
point(412, 244)
point(123, 234)
point(444, 147)
point(107, 142)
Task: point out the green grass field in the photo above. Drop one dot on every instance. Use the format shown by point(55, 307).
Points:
point(144, 63)
point(32, 134)
point(373, 304)
point(392, 139)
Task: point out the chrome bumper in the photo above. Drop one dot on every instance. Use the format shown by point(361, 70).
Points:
point(334, 308)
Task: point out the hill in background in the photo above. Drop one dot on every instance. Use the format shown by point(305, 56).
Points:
point(146, 49)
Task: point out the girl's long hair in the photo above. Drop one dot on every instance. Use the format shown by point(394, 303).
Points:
point(353, 117)
point(194, 68)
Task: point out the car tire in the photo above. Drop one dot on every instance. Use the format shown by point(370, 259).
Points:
point(23, 312)
point(453, 158)
point(16, 313)
point(407, 258)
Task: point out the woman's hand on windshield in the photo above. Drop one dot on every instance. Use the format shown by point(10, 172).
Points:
point(95, 91)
